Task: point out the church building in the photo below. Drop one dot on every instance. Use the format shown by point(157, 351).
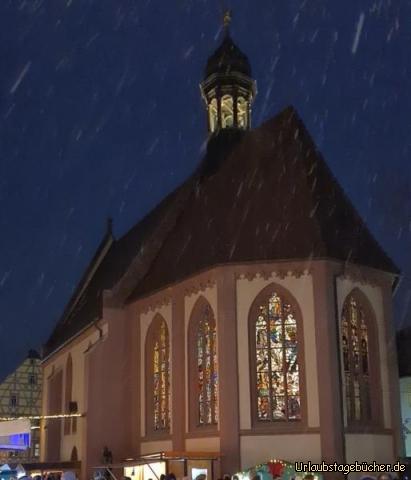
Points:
point(247, 317)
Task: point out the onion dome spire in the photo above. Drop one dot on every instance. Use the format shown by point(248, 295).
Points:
point(228, 88)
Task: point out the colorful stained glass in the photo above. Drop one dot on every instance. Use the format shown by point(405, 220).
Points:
point(279, 408)
point(355, 361)
point(276, 362)
point(294, 408)
point(161, 379)
point(207, 369)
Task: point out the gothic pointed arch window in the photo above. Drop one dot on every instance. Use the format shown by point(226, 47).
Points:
point(360, 360)
point(275, 337)
point(158, 377)
point(203, 366)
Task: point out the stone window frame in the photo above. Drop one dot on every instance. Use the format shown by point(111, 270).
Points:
point(193, 326)
point(375, 389)
point(152, 334)
point(277, 426)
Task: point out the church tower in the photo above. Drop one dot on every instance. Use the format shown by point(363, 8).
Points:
point(228, 88)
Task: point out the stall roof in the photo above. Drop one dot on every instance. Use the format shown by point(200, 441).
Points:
point(162, 456)
point(42, 466)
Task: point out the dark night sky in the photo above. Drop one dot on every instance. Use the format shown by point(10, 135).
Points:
point(100, 114)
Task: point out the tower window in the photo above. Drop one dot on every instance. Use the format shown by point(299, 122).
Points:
point(32, 379)
point(227, 117)
point(242, 112)
point(13, 400)
point(213, 114)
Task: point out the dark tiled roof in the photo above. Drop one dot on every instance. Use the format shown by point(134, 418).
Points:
point(272, 198)
point(262, 195)
point(84, 309)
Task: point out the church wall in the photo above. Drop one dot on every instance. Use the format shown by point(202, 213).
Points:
point(379, 446)
point(374, 295)
point(210, 294)
point(369, 448)
point(56, 363)
point(110, 375)
point(145, 321)
point(302, 289)
point(160, 446)
point(206, 444)
point(298, 447)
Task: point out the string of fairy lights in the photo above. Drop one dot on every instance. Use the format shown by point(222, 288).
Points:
point(42, 417)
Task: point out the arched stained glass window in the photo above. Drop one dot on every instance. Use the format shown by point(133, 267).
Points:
point(355, 349)
point(276, 368)
point(161, 379)
point(207, 368)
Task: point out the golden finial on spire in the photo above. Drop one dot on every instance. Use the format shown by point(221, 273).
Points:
point(227, 19)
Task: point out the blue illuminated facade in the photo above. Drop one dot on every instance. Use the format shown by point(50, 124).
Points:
point(18, 441)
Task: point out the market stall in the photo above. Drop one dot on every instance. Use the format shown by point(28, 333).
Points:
point(153, 466)
point(275, 469)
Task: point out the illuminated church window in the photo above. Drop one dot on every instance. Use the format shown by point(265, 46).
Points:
point(161, 379)
point(356, 361)
point(213, 114)
point(227, 116)
point(242, 108)
point(207, 368)
point(277, 372)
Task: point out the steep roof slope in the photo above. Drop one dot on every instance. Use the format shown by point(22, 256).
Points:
point(263, 195)
point(273, 198)
point(86, 307)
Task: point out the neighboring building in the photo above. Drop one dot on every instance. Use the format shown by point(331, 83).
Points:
point(404, 365)
point(20, 396)
point(249, 315)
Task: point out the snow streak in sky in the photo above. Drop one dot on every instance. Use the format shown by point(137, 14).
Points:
point(20, 77)
point(357, 37)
